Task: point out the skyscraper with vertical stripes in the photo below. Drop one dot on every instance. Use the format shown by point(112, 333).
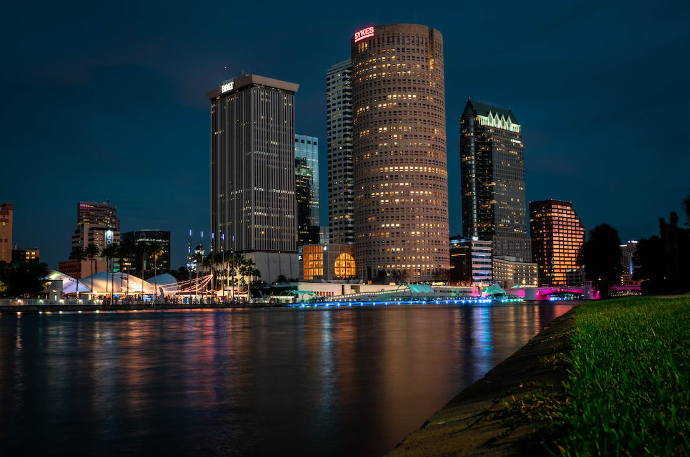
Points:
point(253, 203)
point(341, 199)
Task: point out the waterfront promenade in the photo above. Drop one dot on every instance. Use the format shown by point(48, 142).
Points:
point(52, 306)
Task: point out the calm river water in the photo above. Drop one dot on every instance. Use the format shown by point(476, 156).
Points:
point(321, 382)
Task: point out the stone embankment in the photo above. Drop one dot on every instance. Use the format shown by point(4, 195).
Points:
point(475, 422)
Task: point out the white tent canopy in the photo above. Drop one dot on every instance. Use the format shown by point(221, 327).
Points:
point(119, 283)
point(69, 284)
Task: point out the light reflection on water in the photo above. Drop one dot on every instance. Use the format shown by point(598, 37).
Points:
point(348, 381)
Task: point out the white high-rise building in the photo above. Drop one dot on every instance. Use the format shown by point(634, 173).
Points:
point(341, 200)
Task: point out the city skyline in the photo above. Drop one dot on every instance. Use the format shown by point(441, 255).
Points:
point(578, 97)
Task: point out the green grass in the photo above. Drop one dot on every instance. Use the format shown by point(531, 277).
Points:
point(628, 389)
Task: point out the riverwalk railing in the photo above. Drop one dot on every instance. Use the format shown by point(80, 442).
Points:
point(46, 302)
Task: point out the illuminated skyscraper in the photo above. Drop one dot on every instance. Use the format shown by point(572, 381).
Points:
point(627, 264)
point(341, 175)
point(253, 172)
point(307, 189)
point(492, 169)
point(399, 147)
point(557, 236)
point(97, 223)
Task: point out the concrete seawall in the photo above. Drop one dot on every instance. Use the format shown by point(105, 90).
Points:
point(466, 426)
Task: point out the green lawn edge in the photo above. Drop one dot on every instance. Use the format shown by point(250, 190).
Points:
point(628, 386)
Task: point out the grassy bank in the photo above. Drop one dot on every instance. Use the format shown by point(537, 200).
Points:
point(628, 389)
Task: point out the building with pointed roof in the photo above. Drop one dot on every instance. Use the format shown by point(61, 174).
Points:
point(492, 169)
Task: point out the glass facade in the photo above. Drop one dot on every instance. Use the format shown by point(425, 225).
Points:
point(492, 169)
point(307, 189)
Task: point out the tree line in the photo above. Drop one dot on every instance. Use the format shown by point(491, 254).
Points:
point(661, 262)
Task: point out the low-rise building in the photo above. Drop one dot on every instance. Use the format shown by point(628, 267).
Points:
point(25, 255)
point(328, 262)
point(508, 272)
point(470, 261)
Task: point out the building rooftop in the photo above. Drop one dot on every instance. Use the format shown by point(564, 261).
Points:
point(235, 84)
point(483, 109)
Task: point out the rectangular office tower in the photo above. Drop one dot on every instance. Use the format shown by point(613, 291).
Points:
point(492, 167)
point(307, 189)
point(253, 204)
point(341, 174)
point(97, 223)
point(557, 236)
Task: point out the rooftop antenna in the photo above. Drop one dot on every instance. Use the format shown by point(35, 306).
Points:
point(225, 72)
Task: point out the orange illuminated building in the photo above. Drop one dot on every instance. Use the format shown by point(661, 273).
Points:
point(6, 210)
point(557, 236)
point(330, 262)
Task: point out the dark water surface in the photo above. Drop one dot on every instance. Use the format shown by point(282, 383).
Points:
point(321, 382)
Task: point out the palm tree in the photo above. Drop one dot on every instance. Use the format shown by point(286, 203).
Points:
point(142, 250)
point(246, 268)
point(256, 275)
point(109, 252)
point(124, 250)
point(198, 261)
point(92, 251)
point(236, 260)
point(155, 249)
point(78, 255)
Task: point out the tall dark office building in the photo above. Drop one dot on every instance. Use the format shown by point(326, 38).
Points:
point(399, 147)
point(492, 169)
point(307, 189)
point(253, 204)
point(135, 263)
point(341, 175)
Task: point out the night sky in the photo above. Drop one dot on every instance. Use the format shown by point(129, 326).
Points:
point(109, 102)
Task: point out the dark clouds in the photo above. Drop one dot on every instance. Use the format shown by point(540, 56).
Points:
point(108, 101)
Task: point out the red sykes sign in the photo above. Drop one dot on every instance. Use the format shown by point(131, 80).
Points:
point(364, 33)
